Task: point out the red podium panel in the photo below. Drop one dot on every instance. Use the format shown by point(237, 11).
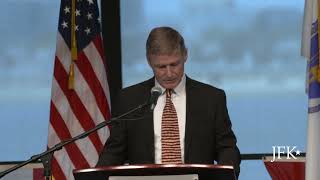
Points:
point(216, 172)
point(283, 170)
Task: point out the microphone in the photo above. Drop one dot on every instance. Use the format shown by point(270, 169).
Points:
point(155, 93)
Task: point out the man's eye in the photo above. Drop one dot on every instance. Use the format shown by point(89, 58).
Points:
point(175, 64)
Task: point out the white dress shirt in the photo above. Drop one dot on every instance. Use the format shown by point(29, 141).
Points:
point(179, 102)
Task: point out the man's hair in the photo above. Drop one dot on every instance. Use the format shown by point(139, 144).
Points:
point(165, 41)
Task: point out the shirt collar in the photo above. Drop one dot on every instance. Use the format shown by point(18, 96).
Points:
point(177, 90)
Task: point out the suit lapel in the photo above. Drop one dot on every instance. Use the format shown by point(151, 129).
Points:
point(149, 137)
point(148, 125)
point(190, 99)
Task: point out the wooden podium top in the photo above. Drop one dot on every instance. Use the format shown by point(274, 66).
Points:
point(204, 171)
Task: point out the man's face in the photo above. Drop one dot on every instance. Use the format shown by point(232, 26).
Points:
point(168, 69)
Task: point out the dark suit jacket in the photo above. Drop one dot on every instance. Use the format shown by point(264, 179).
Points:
point(208, 133)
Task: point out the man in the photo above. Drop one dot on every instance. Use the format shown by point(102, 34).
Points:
point(190, 123)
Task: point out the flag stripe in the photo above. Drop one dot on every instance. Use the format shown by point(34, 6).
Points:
point(99, 46)
point(75, 104)
point(95, 96)
point(56, 170)
point(63, 53)
point(84, 91)
point(62, 131)
point(65, 164)
point(88, 99)
point(91, 78)
point(63, 107)
point(94, 58)
point(61, 157)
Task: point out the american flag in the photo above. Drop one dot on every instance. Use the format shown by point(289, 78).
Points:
point(86, 103)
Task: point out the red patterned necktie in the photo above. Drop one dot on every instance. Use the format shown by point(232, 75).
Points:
point(170, 138)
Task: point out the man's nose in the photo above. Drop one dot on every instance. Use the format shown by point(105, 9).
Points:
point(169, 71)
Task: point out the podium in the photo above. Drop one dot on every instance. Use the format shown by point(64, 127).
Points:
point(204, 171)
point(293, 169)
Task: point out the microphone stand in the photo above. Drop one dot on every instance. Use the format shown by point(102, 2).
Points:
point(46, 156)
